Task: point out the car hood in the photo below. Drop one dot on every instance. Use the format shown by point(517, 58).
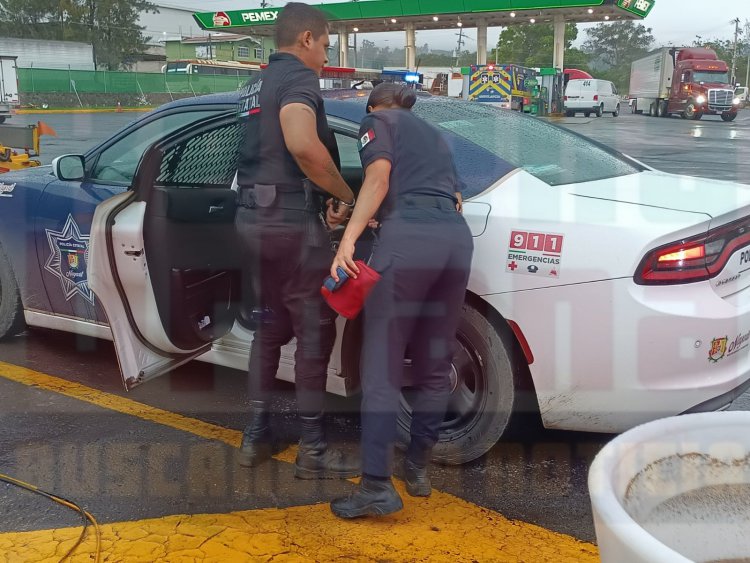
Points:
point(670, 191)
point(37, 174)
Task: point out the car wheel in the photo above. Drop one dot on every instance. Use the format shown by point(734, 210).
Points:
point(586, 114)
point(600, 111)
point(570, 114)
point(11, 309)
point(729, 116)
point(3, 118)
point(483, 392)
point(616, 113)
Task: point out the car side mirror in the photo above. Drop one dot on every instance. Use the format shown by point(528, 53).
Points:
point(69, 167)
point(737, 85)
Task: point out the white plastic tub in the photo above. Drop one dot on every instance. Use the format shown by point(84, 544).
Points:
point(675, 490)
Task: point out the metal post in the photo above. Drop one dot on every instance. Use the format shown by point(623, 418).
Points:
point(33, 88)
point(343, 47)
point(482, 42)
point(559, 43)
point(411, 46)
point(736, 23)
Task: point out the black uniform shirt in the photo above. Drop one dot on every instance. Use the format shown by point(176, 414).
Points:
point(264, 158)
point(421, 161)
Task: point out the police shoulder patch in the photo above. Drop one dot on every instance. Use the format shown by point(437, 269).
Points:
point(366, 139)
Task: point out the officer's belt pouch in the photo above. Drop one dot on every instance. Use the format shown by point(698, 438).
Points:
point(264, 195)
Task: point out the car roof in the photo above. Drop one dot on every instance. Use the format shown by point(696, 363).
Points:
point(344, 104)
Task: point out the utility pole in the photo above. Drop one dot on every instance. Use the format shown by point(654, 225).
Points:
point(736, 23)
point(460, 44)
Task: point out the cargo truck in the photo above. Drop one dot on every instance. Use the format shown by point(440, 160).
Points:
point(690, 82)
point(8, 86)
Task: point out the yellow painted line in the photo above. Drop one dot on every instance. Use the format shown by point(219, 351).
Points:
point(440, 528)
point(81, 110)
point(119, 404)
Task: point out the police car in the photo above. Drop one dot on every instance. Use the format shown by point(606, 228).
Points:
point(611, 293)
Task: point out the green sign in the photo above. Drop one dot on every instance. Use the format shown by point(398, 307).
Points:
point(237, 18)
point(531, 82)
point(638, 7)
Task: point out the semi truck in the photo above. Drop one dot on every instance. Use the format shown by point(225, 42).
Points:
point(690, 82)
point(8, 86)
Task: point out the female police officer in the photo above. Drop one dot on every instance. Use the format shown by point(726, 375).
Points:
point(423, 254)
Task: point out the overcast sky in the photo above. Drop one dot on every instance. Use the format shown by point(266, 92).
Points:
point(673, 21)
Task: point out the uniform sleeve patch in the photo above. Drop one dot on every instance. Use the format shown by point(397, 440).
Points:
point(366, 139)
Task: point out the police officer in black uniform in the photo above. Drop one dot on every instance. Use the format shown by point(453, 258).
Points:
point(423, 254)
point(286, 173)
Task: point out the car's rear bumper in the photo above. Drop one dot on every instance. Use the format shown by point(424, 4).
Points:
point(611, 355)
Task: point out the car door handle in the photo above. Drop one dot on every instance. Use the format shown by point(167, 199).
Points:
point(135, 253)
point(215, 209)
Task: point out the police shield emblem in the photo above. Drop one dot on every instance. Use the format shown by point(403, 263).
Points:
point(718, 349)
point(73, 261)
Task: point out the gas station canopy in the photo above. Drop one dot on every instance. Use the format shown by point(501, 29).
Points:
point(370, 16)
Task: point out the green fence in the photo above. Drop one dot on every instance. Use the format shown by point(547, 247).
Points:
point(42, 80)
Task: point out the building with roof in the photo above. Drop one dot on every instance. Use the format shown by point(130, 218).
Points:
point(222, 47)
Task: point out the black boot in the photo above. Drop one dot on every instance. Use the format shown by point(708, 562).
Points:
point(257, 443)
point(417, 481)
point(373, 497)
point(315, 460)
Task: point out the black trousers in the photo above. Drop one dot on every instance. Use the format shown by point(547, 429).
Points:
point(287, 273)
point(424, 257)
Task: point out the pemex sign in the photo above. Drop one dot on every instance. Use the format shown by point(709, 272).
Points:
point(638, 7)
point(237, 18)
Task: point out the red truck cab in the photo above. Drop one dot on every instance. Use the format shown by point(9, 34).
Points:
point(701, 85)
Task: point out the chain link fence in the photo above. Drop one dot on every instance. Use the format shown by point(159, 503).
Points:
point(40, 80)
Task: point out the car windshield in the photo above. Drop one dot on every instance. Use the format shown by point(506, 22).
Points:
point(552, 154)
point(717, 77)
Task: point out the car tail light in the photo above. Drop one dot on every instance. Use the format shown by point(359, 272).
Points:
point(565, 98)
point(596, 97)
point(695, 259)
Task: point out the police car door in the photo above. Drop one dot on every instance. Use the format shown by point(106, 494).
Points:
point(163, 258)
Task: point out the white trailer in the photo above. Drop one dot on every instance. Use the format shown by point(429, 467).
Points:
point(651, 81)
point(8, 86)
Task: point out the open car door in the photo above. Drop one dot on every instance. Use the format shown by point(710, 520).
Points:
point(163, 256)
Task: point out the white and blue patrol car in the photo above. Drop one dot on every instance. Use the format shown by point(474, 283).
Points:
point(610, 293)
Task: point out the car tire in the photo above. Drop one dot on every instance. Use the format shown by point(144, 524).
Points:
point(484, 383)
point(661, 109)
point(11, 308)
point(616, 113)
point(600, 111)
point(570, 114)
point(3, 118)
point(586, 114)
point(729, 116)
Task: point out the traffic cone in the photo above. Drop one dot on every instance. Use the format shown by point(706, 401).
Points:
point(119, 107)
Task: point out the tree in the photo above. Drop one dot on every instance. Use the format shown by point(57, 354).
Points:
point(614, 46)
point(724, 49)
point(533, 45)
point(110, 26)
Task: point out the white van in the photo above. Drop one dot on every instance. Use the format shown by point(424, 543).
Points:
point(742, 93)
point(591, 95)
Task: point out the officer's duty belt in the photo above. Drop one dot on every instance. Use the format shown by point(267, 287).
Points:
point(286, 198)
point(440, 202)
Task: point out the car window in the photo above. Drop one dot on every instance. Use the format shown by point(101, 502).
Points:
point(348, 151)
point(208, 158)
point(552, 154)
point(117, 163)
